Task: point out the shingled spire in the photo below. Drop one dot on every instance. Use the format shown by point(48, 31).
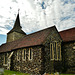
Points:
point(17, 27)
point(16, 32)
point(17, 23)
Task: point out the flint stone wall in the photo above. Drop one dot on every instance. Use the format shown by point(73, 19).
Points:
point(52, 65)
point(69, 57)
point(33, 66)
point(2, 56)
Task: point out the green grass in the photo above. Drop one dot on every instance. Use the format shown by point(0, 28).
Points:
point(67, 74)
point(8, 72)
point(63, 74)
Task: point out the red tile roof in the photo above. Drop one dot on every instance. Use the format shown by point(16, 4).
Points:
point(33, 39)
point(36, 38)
point(8, 46)
point(68, 35)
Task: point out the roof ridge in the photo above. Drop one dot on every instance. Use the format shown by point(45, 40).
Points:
point(67, 29)
point(39, 31)
point(29, 35)
point(32, 39)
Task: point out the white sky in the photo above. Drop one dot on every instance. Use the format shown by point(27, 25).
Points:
point(33, 18)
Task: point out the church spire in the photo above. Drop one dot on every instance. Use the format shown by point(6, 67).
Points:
point(17, 23)
point(17, 27)
point(15, 33)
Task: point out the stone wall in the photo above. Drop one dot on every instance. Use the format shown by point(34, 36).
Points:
point(41, 61)
point(29, 66)
point(1, 60)
point(69, 57)
point(4, 58)
point(14, 36)
point(33, 66)
point(52, 66)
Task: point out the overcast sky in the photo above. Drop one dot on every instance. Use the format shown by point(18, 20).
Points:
point(36, 15)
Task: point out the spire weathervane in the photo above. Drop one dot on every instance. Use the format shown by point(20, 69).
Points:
point(18, 10)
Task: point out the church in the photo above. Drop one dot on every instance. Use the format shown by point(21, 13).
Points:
point(46, 50)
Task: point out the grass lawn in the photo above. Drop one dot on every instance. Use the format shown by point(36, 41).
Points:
point(61, 74)
point(8, 72)
point(67, 74)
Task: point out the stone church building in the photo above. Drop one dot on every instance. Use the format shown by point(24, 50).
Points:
point(44, 51)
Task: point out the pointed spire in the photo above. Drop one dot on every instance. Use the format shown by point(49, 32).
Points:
point(17, 22)
point(17, 27)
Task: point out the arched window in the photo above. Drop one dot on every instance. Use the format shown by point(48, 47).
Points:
point(18, 55)
point(30, 54)
point(24, 55)
point(53, 51)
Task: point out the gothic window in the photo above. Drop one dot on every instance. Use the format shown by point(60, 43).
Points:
point(51, 52)
point(55, 51)
point(30, 54)
point(18, 55)
point(24, 54)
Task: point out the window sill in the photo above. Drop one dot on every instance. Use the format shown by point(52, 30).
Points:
point(5, 64)
point(30, 59)
point(55, 59)
point(18, 59)
point(24, 59)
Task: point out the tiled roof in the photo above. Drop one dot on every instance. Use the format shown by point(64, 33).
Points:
point(8, 46)
point(36, 38)
point(33, 39)
point(68, 35)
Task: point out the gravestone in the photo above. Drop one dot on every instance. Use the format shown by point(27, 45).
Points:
point(1, 71)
